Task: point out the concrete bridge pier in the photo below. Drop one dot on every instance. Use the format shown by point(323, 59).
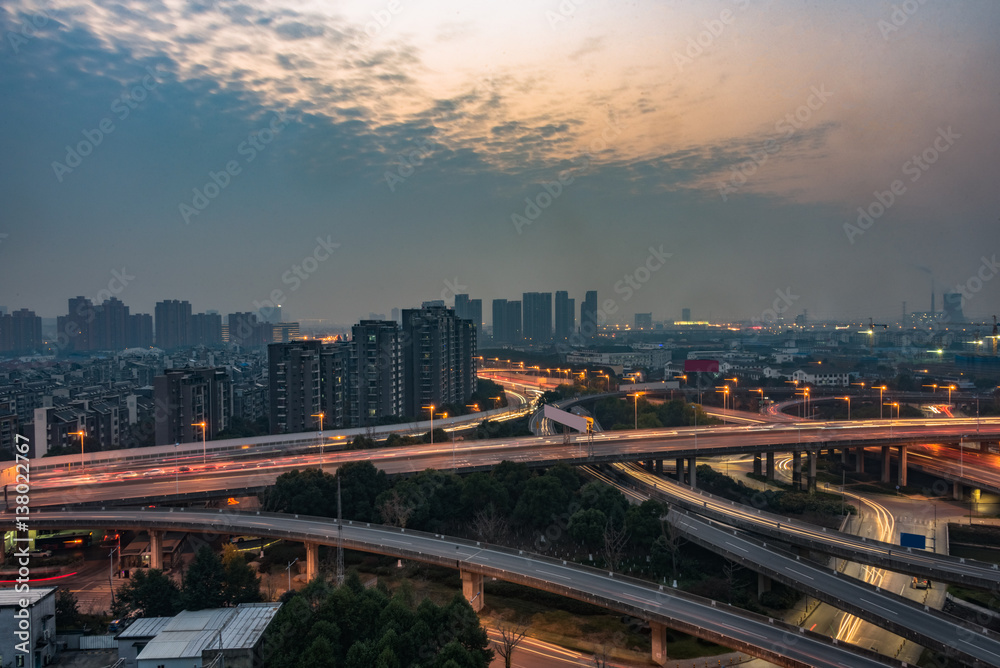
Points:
point(659, 467)
point(472, 589)
point(902, 466)
point(693, 472)
point(886, 477)
point(770, 465)
point(679, 469)
point(843, 456)
point(156, 549)
point(763, 585)
point(797, 471)
point(312, 561)
point(659, 642)
point(649, 466)
point(859, 460)
point(757, 464)
point(813, 456)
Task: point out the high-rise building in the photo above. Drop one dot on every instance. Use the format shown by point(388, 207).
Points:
point(686, 314)
point(111, 325)
point(75, 329)
point(588, 316)
point(565, 315)
point(192, 396)
point(376, 372)
point(500, 321)
point(246, 331)
point(438, 357)
point(470, 309)
point(335, 384)
point(513, 322)
point(206, 329)
point(173, 324)
point(644, 321)
point(140, 330)
point(462, 306)
point(20, 332)
point(294, 386)
point(537, 317)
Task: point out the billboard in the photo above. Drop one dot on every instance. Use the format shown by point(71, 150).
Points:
point(916, 540)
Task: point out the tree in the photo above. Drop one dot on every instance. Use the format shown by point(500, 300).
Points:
point(67, 609)
point(511, 634)
point(307, 492)
point(587, 526)
point(490, 525)
point(148, 594)
point(394, 509)
point(241, 585)
point(543, 497)
point(615, 541)
point(204, 582)
point(360, 484)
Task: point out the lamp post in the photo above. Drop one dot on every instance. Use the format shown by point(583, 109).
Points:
point(83, 461)
point(289, 569)
point(848, 400)
point(636, 411)
point(431, 408)
point(204, 446)
point(950, 388)
point(320, 415)
point(881, 389)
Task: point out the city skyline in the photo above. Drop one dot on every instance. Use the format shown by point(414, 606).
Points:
point(355, 157)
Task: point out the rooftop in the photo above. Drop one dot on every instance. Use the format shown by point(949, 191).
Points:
point(191, 632)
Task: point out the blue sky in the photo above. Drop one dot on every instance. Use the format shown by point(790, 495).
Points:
point(392, 151)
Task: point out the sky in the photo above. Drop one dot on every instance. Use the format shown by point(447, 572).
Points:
point(735, 157)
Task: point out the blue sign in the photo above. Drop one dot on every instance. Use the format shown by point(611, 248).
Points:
point(916, 540)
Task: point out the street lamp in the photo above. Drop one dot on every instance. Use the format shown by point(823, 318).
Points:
point(848, 400)
point(431, 408)
point(289, 569)
point(204, 447)
point(881, 389)
point(637, 395)
point(320, 415)
point(83, 461)
point(950, 388)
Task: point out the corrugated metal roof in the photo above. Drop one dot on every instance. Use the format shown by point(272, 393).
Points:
point(191, 632)
point(12, 598)
point(145, 627)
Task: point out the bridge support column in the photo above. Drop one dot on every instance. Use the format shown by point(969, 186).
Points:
point(859, 460)
point(649, 466)
point(679, 468)
point(757, 464)
point(813, 455)
point(693, 472)
point(956, 491)
point(797, 471)
point(843, 456)
point(659, 642)
point(312, 561)
point(763, 585)
point(659, 467)
point(886, 477)
point(156, 549)
point(472, 589)
point(902, 466)
point(770, 465)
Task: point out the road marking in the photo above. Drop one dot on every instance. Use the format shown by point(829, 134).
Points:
point(741, 549)
point(864, 600)
point(801, 575)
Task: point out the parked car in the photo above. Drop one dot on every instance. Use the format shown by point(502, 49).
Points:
point(920, 583)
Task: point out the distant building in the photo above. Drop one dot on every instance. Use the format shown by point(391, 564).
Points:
point(686, 315)
point(506, 321)
point(173, 324)
point(206, 329)
point(565, 316)
point(644, 321)
point(20, 332)
point(294, 386)
point(41, 625)
point(537, 317)
point(283, 332)
point(247, 332)
point(470, 309)
point(140, 330)
point(60, 426)
point(376, 372)
point(953, 308)
point(191, 396)
point(588, 316)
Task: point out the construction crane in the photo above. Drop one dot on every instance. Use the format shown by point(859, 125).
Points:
point(871, 332)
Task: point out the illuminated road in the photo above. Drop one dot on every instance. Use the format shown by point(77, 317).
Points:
point(763, 637)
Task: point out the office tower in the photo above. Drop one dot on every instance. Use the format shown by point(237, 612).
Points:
point(20, 332)
point(284, 332)
point(394, 315)
point(173, 324)
point(438, 359)
point(565, 315)
point(644, 321)
point(513, 322)
point(588, 316)
point(293, 386)
point(192, 396)
point(686, 314)
point(206, 329)
point(537, 317)
point(952, 304)
point(269, 314)
point(140, 330)
point(376, 372)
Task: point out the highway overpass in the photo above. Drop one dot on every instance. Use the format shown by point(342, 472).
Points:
point(763, 637)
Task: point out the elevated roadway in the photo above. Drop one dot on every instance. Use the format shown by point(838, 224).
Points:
point(763, 637)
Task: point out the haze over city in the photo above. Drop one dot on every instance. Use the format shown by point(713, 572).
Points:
point(361, 156)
